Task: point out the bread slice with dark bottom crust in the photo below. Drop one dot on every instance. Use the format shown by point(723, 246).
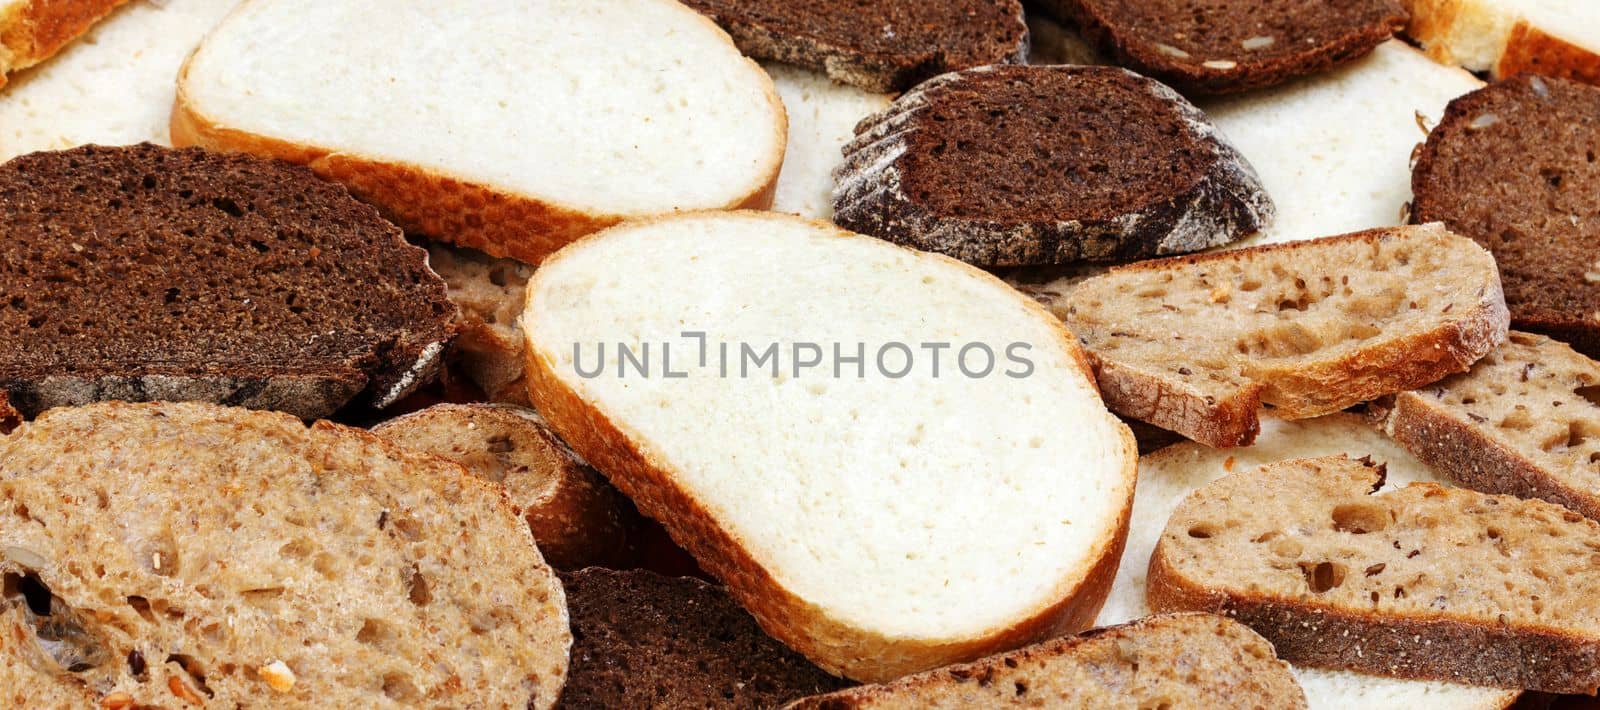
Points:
point(1016, 165)
point(1422, 582)
point(1516, 166)
point(1224, 46)
point(878, 46)
point(147, 273)
point(1176, 661)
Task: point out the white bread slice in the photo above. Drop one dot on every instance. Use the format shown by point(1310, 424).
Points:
point(510, 127)
point(879, 526)
point(1169, 475)
point(113, 87)
point(823, 115)
point(32, 31)
point(1510, 37)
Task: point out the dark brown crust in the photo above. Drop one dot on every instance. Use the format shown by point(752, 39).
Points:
point(1530, 50)
point(43, 27)
point(1097, 21)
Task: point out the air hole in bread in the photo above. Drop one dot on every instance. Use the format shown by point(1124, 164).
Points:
point(141, 606)
point(374, 632)
point(63, 636)
point(420, 594)
point(1360, 518)
point(1590, 393)
point(1518, 420)
point(1202, 531)
point(1323, 576)
point(400, 689)
point(194, 670)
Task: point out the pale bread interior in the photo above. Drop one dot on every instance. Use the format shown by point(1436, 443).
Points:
point(822, 118)
point(1475, 33)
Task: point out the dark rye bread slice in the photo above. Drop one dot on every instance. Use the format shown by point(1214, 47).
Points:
point(1204, 47)
point(1017, 165)
point(146, 273)
point(1516, 167)
point(878, 46)
point(641, 640)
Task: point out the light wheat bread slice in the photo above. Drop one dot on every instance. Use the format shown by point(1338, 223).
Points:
point(1174, 661)
point(555, 135)
point(32, 31)
point(1424, 582)
point(1168, 476)
point(489, 293)
point(179, 555)
point(822, 118)
point(1307, 328)
point(1510, 37)
point(878, 525)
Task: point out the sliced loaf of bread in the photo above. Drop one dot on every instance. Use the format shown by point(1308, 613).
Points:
point(32, 31)
point(188, 555)
point(878, 46)
point(1116, 167)
point(822, 118)
point(1176, 661)
point(1421, 582)
point(1199, 344)
point(556, 134)
point(489, 293)
point(1510, 37)
point(146, 273)
point(785, 473)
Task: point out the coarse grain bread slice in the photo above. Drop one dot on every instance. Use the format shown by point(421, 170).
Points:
point(505, 126)
point(822, 118)
point(1117, 167)
point(644, 640)
point(877, 46)
point(1516, 167)
point(1524, 421)
point(577, 519)
point(1421, 582)
point(148, 273)
point(183, 555)
point(1200, 344)
point(32, 31)
point(1176, 661)
point(1224, 46)
point(783, 480)
point(1510, 37)
point(1168, 476)
point(489, 293)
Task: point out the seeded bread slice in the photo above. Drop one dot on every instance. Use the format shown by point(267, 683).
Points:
point(1199, 344)
point(489, 293)
point(1516, 167)
point(145, 273)
point(1422, 582)
point(576, 517)
point(1176, 661)
point(32, 31)
point(1222, 46)
point(178, 555)
point(1510, 37)
point(1117, 167)
point(877, 46)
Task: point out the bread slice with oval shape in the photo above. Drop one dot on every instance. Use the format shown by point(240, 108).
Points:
point(875, 516)
point(510, 127)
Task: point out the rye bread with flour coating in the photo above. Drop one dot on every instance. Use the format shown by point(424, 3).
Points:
point(1206, 47)
point(1017, 165)
point(1516, 167)
point(878, 46)
point(144, 273)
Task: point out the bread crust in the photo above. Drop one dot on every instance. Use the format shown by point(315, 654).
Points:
point(1525, 49)
point(36, 31)
point(837, 647)
point(427, 201)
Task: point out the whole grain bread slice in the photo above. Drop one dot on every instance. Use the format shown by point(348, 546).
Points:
point(1421, 582)
point(1115, 167)
point(576, 517)
point(1176, 661)
point(1199, 344)
point(186, 555)
point(489, 293)
point(1225, 46)
point(144, 273)
point(32, 31)
point(878, 46)
point(1516, 167)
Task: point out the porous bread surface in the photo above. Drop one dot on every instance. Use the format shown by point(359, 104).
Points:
point(876, 480)
point(1223, 46)
point(1332, 149)
point(1308, 328)
point(1516, 167)
point(822, 118)
point(576, 518)
point(146, 273)
point(1510, 37)
point(878, 46)
point(489, 293)
point(32, 31)
point(192, 554)
point(1174, 661)
point(679, 121)
point(644, 640)
point(940, 170)
point(1424, 581)
point(113, 87)
point(1168, 476)
point(1524, 421)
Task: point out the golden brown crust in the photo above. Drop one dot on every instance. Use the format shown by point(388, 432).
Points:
point(36, 31)
point(1531, 50)
point(1165, 404)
